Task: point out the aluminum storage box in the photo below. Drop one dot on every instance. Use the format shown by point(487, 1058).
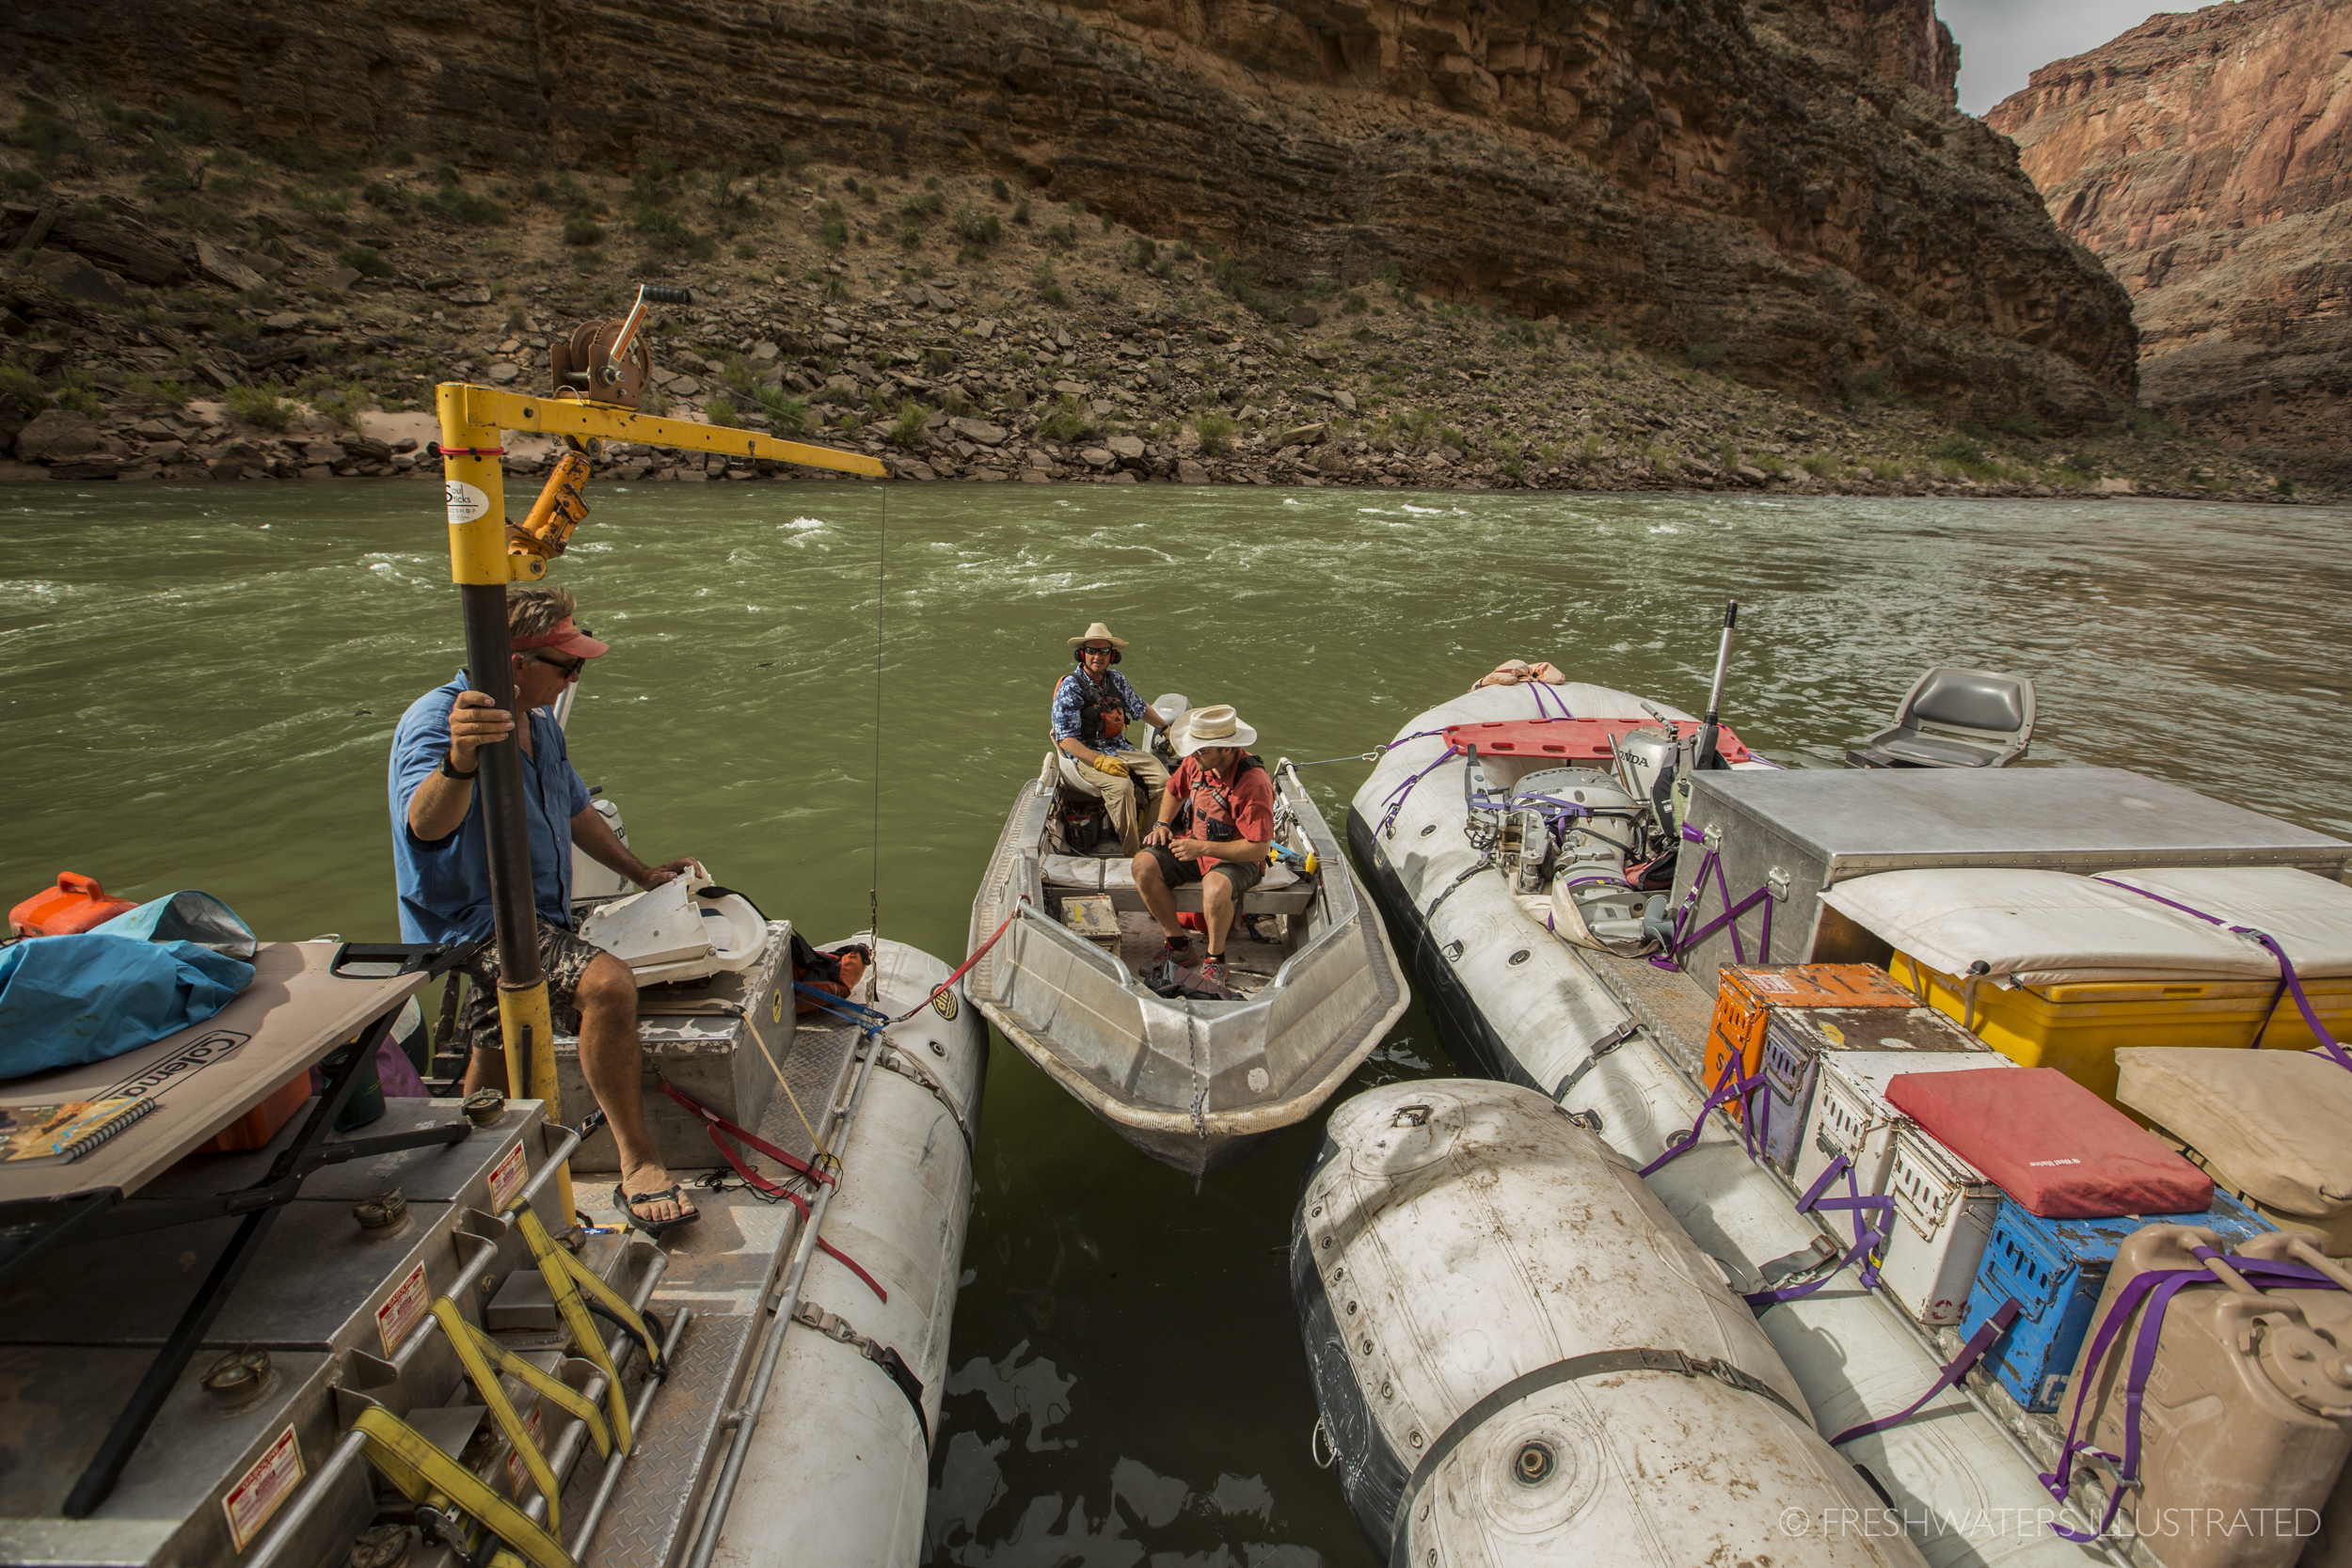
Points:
point(705, 1036)
point(1798, 1042)
point(1851, 1115)
point(1944, 1210)
point(1795, 832)
point(80, 1328)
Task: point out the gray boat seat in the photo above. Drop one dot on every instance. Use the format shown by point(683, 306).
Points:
point(1954, 718)
point(1283, 891)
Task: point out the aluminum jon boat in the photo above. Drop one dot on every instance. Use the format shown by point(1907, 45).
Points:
point(1194, 1082)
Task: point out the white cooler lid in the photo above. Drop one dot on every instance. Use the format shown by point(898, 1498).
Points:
point(2043, 928)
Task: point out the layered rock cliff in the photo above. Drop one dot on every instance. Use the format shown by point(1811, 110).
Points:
point(2208, 159)
point(1790, 194)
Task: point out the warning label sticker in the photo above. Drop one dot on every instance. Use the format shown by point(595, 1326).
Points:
point(260, 1489)
point(506, 1179)
point(466, 502)
point(517, 1473)
point(401, 1310)
point(1776, 984)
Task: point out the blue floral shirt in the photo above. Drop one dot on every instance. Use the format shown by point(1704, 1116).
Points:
point(1068, 704)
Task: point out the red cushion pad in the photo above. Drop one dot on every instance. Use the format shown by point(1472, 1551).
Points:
point(2057, 1148)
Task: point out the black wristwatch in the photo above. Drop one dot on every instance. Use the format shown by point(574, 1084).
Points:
point(449, 770)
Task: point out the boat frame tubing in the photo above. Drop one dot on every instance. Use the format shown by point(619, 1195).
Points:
point(741, 1422)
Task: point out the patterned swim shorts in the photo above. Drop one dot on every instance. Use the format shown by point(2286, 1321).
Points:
point(564, 958)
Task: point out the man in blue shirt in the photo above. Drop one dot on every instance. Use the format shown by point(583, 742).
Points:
point(1091, 707)
point(441, 864)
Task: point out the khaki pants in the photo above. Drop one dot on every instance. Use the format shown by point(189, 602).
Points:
point(1119, 795)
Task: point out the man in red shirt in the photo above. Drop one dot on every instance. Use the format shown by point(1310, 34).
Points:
point(1224, 847)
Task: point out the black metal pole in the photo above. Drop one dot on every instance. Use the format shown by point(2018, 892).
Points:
point(489, 653)
point(1711, 754)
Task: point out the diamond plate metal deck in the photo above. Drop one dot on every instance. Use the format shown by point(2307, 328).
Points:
point(721, 1267)
point(1676, 1010)
point(648, 1524)
point(813, 1075)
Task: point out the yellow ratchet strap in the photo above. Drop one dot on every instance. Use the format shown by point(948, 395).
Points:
point(566, 1276)
point(425, 1474)
point(483, 1358)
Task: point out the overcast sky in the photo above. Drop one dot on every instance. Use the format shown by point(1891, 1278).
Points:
point(2004, 41)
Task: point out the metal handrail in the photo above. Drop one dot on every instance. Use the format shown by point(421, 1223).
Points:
point(740, 1422)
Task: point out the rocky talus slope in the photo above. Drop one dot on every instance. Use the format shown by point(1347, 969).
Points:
point(1785, 192)
point(2208, 159)
point(281, 318)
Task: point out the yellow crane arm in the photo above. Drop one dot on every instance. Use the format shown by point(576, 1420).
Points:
point(473, 481)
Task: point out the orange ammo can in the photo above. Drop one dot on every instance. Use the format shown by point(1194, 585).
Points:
point(1745, 995)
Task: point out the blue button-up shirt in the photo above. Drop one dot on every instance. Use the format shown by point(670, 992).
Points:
point(444, 884)
point(1069, 702)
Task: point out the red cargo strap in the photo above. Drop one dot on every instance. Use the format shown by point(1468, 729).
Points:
point(1567, 743)
point(720, 1129)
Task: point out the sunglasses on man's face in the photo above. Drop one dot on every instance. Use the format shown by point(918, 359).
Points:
point(571, 667)
point(1105, 652)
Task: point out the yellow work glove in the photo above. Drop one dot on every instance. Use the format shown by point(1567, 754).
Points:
point(1111, 765)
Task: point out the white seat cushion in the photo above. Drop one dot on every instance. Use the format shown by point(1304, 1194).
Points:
point(1076, 871)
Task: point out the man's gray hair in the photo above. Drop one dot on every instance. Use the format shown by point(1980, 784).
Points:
point(534, 611)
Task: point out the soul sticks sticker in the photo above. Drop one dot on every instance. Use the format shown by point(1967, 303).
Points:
point(466, 502)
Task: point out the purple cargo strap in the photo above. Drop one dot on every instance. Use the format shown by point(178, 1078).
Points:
point(1729, 1086)
point(1954, 1369)
point(2286, 970)
point(1682, 943)
point(2157, 1287)
point(1541, 687)
point(1866, 1239)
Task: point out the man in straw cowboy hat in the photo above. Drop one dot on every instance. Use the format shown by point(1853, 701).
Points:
point(1091, 707)
point(1223, 846)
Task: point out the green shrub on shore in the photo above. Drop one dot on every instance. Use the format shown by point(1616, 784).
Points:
point(259, 406)
point(1216, 433)
point(1068, 421)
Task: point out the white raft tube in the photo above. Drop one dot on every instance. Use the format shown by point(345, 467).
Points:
point(837, 1468)
point(1966, 1494)
point(1521, 1358)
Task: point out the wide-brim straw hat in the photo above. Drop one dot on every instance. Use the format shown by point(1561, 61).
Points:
point(1213, 726)
point(1098, 633)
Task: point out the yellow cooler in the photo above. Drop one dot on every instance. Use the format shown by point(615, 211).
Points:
point(2076, 1028)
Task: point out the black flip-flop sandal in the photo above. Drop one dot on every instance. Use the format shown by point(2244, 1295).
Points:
point(628, 1203)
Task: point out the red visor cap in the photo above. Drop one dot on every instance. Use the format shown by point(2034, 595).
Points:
point(564, 638)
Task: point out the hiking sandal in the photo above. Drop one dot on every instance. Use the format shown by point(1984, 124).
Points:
point(674, 1192)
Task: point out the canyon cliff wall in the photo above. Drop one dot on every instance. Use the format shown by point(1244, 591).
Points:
point(1787, 191)
point(2208, 159)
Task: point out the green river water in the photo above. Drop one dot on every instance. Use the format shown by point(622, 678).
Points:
point(201, 682)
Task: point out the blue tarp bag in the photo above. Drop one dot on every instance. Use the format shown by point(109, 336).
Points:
point(185, 916)
point(152, 972)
